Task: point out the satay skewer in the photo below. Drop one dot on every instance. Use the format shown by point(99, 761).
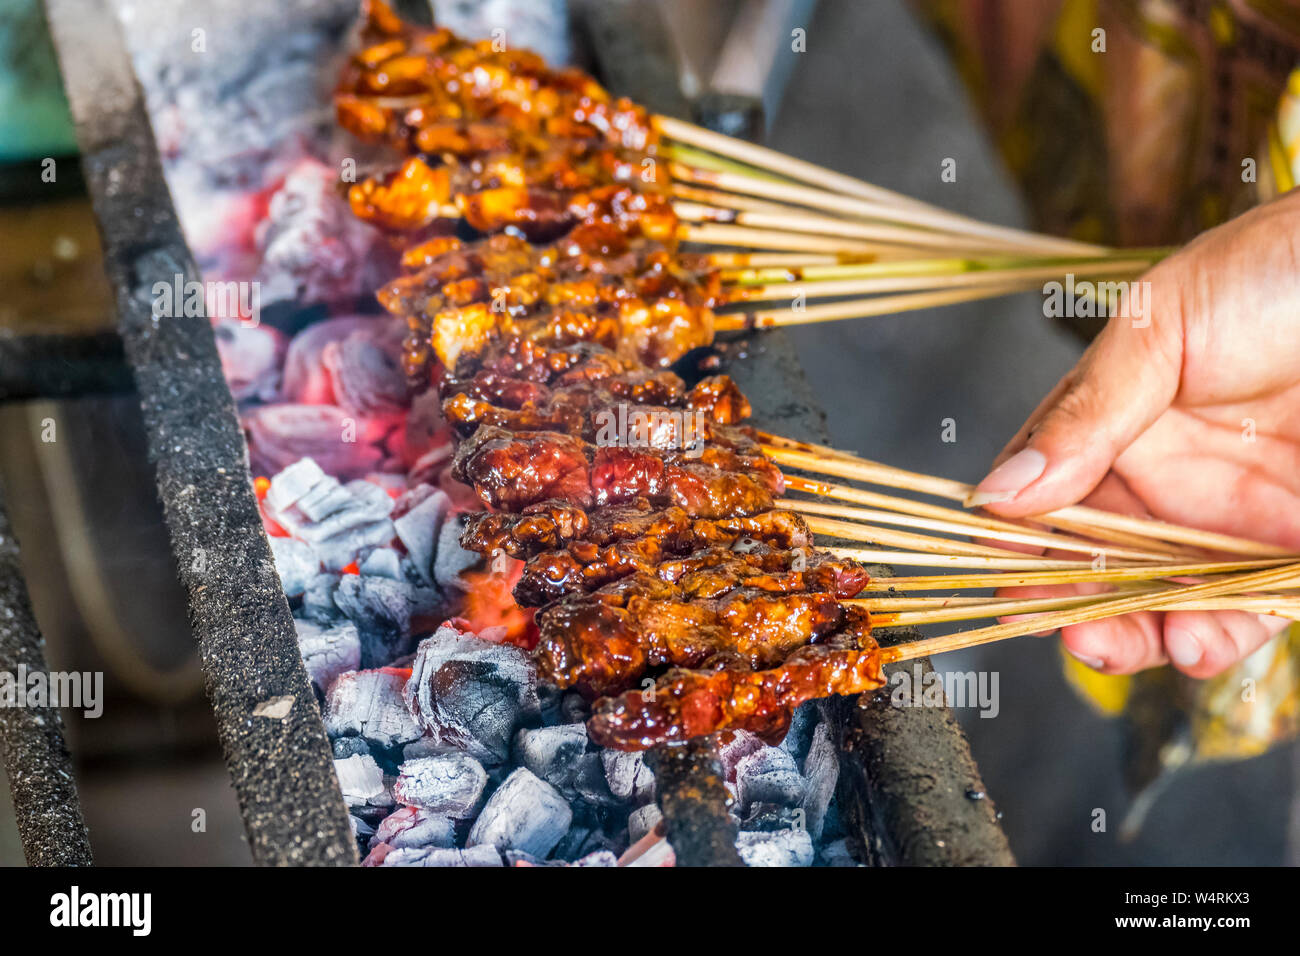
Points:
point(894, 612)
point(820, 460)
point(864, 308)
point(1285, 576)
point(977, 522)
point(829, 288)
point(1090, 575)
point(771, 161)
point(868, 517)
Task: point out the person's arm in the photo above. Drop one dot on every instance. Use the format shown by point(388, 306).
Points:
point(1189, 412)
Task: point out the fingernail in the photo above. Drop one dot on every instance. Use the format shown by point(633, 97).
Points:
point(1096, 663)
point(1274, 625)
point(1183, 648)
point(1009, 478)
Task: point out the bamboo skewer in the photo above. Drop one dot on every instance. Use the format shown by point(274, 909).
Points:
point(933, 560)
point(849, 531)
point(1090, 575)
point(827, 288)
point(862, 308)
point(874, 472)
point(747, 237)
point(977, 522)
point(771, 161)
point(886, 612)
point(796, 221)
point(744, 261)
point(880, 203)
point(1019, 536)
point(1113, 607)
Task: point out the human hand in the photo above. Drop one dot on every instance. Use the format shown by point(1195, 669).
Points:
point(1190, 414)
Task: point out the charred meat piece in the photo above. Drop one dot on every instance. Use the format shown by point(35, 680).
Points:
point(406, 80)
point(600, 647)
point(613, 405)
point(512, 471)
point(604, 413)
point(553, 524)
point(583, 566)
point(636, 298)
point(688, 703)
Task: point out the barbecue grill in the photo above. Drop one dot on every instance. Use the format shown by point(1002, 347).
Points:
point(909, 789)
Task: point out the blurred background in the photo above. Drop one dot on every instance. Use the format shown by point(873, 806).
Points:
point(884, 90)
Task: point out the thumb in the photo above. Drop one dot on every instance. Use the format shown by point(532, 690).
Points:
point(1123, 383)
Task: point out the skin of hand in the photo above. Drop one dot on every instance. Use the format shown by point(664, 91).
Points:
point(1189, 413)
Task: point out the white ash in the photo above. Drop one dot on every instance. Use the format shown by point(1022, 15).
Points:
point(313, 249)
point(526, 813)
point(599, 858)
point(768, 776)
point(630, 780)
point(293, 483)
point(318, 601)
point(282, 433)
point(296, 563)
point(450, 559)
point(472, 694)
point(250, 358)
point(837, 853)
point(434, 856)
point(328, 651)
point(337, 521)
point(799, 737)
point(415, 827)
point(590, 783)
point(449, 784)
point(596, 858)
point(418, 529)
point(362, 782)
point(381, 610)
point(344, 747)
point(822, 772)
point(776, 848)
point(370, 704)
point(383, 563)
point(553, 753)
point(642, 820)
point(424, 747)
point(362, 831)
point(734, 745)
point(366, 371)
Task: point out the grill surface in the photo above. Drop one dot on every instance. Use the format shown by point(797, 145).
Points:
point(282, 770)
point(36, 757)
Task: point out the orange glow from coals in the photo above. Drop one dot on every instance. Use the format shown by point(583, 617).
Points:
point(488, 603)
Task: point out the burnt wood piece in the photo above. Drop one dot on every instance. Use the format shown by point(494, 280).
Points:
point(62, 366)
point(36, 757)
point(281, 766)
point(692, 795)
